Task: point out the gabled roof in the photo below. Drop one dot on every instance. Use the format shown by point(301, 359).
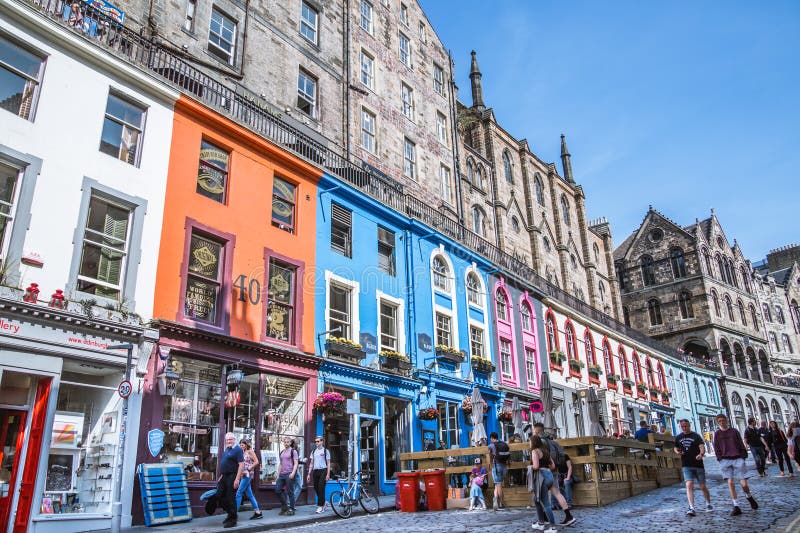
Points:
point(622, 249)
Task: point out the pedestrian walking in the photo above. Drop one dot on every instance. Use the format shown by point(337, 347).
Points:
point(794, 442)
point(499, 454)
point(731, 454)
point(319, 472)
point(231, 470)
point(248, 473)
point(565, 480)
point(558, 457)
point(286, 474)
point(477, 481)
point(781, 445)
point(690, 446)
point(298, 478)
point(543, 463)
point(763, 430)
point(758, 446)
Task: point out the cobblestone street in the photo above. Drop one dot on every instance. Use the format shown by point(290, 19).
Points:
point(660, 510)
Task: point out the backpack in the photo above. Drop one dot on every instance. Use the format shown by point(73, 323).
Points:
point(503, 453)
point(556, 452)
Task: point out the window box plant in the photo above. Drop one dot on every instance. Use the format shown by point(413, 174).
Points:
point(330, 403)
point(557, 357)
point(344, 350)
point(595, 370)
point(612, 381)
point(627, 385)
point(394, 361)
point(428, 418)
point(655, 390)
point(481, 364)
point(449, 354)
point(575, 366)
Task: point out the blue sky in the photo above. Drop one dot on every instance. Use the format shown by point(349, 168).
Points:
point(682, 105)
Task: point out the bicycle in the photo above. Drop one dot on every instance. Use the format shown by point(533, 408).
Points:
point(342, 501)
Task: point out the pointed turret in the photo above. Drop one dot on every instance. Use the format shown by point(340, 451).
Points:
point(566, 163)
point(475, 79)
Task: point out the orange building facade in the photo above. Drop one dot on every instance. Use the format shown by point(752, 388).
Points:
point(234, 302)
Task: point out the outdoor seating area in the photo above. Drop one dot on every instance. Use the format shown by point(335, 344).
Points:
point(606, 470)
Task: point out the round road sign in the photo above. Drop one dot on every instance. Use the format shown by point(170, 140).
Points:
point(125, 388)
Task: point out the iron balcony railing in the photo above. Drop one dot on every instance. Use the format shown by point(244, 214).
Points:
point(247, 109)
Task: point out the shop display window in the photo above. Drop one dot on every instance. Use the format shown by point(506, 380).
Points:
point(282, 415)
point(83, 443)
point(337, 433)
point(398, 434)
point(191, 418)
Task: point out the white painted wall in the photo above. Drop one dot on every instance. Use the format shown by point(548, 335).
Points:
point(65, 135)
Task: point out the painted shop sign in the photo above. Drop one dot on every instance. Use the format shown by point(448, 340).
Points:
point(424, 342)
point(27, 330)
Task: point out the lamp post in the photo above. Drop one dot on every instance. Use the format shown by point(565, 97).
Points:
point(116, 503)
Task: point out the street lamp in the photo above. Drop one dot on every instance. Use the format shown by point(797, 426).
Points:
point(116, 503)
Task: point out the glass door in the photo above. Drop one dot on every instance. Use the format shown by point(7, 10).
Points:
point(12, 438)
point(369, 452)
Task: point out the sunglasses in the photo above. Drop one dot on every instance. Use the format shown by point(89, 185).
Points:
point(317, 440)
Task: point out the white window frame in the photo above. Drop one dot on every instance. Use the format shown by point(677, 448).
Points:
point(446, 180)
point(405, 50)
point(409, 159)
point(355, 290)
point(307, 25)
point(441, 128)
point(477, 326)
point(446, 276)
point(219, 51)
point(404, 14)
point(407, 101)
point(10, 217)
point(302, 94)
point(127, 126)
point(35, 80)
point(438, 79)
point(366, 16)
point(367, 70)
point(423, 35)
point(368, 127)
point(452, 340)
point(399, 306)
point(191, 12)
point(505, 357)
point(531, 366)
point(479, 291)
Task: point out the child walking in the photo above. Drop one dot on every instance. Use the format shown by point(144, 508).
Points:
point(476, 482)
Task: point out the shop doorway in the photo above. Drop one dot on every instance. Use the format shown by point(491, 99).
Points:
point(369, 453)
point(12, 440)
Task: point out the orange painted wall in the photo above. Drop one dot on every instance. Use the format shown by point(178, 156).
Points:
point(247, 214)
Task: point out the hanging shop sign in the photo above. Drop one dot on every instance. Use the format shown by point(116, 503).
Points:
point(155, 441)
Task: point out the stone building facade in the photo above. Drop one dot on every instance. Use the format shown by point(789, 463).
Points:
point(512, 196)
point(689, 287)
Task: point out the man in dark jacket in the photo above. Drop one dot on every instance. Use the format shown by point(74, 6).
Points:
point(731, 454)
point(758, 446)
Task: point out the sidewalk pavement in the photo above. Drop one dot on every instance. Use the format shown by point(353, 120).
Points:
point(305, 515)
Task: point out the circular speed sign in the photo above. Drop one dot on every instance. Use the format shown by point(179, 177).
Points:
point(125, 388)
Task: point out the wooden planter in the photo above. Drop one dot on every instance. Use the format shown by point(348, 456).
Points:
point(450, 357)
point(594, 380)
point(343, 352)
point(395, 365)
point(485, 368)
point(628, 389)
point(611, 385)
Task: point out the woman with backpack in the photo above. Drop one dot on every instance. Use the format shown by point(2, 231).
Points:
point(542, 462)
point(319, 471)
point(780, 443)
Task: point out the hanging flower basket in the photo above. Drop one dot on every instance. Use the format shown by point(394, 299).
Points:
point(430, 413)
point(330, 403)
point(466, 405)
point(505, 415)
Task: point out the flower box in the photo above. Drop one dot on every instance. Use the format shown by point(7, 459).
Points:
point(399, 365)
point(574, 373)
point(348, 352)
point(595, 370)
point(593, 380)
point(479, 364)
point(611, 385)
point(577, 364)
point(449, 354)
point(641, 387)
point(557, 358)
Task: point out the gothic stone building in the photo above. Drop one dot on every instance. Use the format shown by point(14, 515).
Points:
point(690, 288)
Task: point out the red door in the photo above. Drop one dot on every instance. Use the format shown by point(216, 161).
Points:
point(12, 438)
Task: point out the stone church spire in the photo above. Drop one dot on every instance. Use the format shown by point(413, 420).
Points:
point(566, 163)
point(475, 79)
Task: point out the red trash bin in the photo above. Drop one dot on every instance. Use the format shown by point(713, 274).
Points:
point(435, 489)
point(408, 489)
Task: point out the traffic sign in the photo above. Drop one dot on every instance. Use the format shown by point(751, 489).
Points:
point(125, 388)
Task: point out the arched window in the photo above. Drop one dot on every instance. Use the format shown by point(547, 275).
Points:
point(707, 259)
point(685, 305)
point(787, 344)
point(474, 290)
point(569, 336)
point(654, 310)
point(479, 177)
point(776, 411)
point(525, 314)
point(602, 291)
point(623, 363)
point(502, 305)
point(721, 267)
point(588, 346)
point(754, 316)
point(507, 167)
point(650, 378)
point(565, 209)
point(712, 398)
point(678, 263)
point(637, 369)
point(515, 224)
point(537, 183)
point(774, 340)
point(745, 279)
point(767, 313)
point(596, 252)
point(626, 316)
point(608, 359)
point(648, 271)
point(478, 221)
point(734, 277)
point(679, 389)
point(794, 309)
point(550, 331)
point(441, 274)
point(715, 301)
point(662, 377)
point(729, 307)
point(697, 395)
point(671, 384)
point(470, 172)
point(779, 314)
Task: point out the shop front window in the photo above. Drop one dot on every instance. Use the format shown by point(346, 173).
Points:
point(191, 418)
point(83, 442)
point(397, 426)
point(337, 433)
point(283, 409)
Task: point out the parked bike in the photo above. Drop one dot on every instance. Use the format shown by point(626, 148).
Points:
point(342, 501)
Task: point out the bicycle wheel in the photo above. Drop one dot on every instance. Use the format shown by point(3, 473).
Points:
point(340, 504)
point(369, 502)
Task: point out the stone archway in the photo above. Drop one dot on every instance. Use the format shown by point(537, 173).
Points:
point(696, 348)
point(727, 357)
point(741, 364)
point(795, 410)
point(763, 360)
point(753, 362)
